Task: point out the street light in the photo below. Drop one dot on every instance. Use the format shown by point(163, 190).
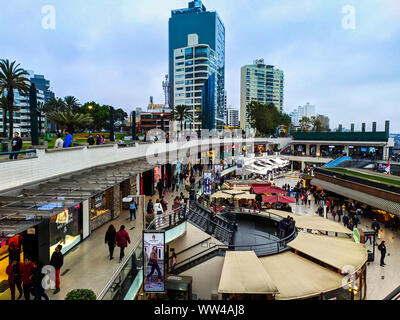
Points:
point(112, 138)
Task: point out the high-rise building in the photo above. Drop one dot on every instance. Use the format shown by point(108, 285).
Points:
point(262, 83)
point(232, 115)
point(307, 110)
point(42, 84)
point(196, 53)
point(294, 116)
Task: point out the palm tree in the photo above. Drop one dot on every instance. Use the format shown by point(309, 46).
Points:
point(12, 77)
point(70, 120)
point(4, 107)
point(54, 105)
point(72, 104)
point(181, 112)
point(305, 124)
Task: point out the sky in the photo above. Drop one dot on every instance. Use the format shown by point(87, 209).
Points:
point(115, 52)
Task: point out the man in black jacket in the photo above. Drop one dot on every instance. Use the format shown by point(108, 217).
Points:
point(382, 249)
point(16, 145)
point(160, 188)
point(57, 260)
point(91, 140)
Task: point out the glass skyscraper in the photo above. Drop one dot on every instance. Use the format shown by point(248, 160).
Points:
point(196, 52)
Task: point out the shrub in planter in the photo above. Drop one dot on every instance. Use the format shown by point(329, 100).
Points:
point(149, 219)
point(81, 294)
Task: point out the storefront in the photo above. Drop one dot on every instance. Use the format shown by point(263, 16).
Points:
point(101, 209)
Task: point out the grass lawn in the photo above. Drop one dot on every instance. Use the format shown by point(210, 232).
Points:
point(372, 177)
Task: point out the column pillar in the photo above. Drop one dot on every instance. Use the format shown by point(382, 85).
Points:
point(307, 149)
point(303, 165)
point(133, 185)
point(346, 150)
point(318, 150)
point(116, 207)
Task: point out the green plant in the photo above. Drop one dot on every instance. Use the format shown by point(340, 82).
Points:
point(149, 219)
point(81, 294)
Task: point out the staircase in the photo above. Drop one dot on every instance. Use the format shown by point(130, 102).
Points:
point(198, 259)
point(219, 227)
point(335, 162)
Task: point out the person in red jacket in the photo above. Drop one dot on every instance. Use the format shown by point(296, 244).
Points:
point(27, 272)
point(14, 272)
point(121, 240)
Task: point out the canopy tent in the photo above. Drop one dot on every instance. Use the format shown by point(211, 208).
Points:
point(267, 189)
point(333, 251)
point(236, 195)
point(299, 278)
point(243, 273)
point(278, 198)
point(314, 222)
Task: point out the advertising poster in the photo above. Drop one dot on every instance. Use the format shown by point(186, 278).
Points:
point(240, 163)
point(207, 183)
point(217, 176)
point(153, 252)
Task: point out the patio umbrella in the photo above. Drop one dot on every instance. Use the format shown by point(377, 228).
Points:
point(278, 198)
point(268, 189)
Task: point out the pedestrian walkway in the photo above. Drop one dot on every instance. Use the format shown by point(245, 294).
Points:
point(88, 265)
point(380, 280)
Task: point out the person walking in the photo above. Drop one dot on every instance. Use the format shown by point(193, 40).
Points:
point(132, 210)
point(382, 249)
point(57, 261)
point(174, 261)
point(37, 277)
point(346, 219)
point(14, 272)
point(16, 146)
point(160, 188)
point(67, 140)
point(14, 252)
point(320, 211)
point(159, 211)
point(150, 208)
point(164, 204)
point(122, 239)
point(59, 142)
point(26, 277)
point(395, 224)
point(339, 213)
point(110, 240)
point(309, 199)
point(173, 183)
point(90, 140)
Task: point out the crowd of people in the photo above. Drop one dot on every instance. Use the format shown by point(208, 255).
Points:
point(28, 276)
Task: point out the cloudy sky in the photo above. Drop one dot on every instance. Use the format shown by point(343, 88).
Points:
point(116, 51)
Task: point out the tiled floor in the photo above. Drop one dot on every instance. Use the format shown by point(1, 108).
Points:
point(380, 280)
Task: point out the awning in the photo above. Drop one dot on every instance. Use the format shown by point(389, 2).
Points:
point(278, 198)
point(379, 203)
point(336, 252)
point(314, 222)
point(267, 189)
point(299, 278)
point(243, 273)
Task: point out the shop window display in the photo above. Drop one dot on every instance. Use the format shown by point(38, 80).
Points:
point(66, 229)
point(98, 206)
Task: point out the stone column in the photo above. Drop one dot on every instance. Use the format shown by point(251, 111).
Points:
point(307, 149)
point(346, 150)
point(318, 150)
point(132, 185)
point(116, 208)
point(303, 165)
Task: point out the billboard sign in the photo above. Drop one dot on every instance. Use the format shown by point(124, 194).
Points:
point(153, 252)
point(207, 183)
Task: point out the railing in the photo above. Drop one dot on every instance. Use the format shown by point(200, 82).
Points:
point(128, 270)
point(394, 295)
point(16, 153)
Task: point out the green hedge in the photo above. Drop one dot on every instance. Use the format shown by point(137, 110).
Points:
point(81, 294)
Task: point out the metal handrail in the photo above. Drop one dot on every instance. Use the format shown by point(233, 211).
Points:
point(394, 295)
point(17, 152)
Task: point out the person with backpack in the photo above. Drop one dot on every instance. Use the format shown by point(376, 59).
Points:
point(16, 145)
point(121, 240)
point(110, 240)
point(382, 249)
point(37, 277)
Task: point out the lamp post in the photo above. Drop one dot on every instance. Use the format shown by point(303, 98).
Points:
point(133, 126)
point(33, 114)
point(112, 138)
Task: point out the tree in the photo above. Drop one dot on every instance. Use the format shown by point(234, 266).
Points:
point(316, 124)
point(266, 118)
point(100, 115)
point(305, 124)
point(180, 113)
point(54, 104)
point(12, 77)
point(70, 120)
point(120, 115)
point(72, 104)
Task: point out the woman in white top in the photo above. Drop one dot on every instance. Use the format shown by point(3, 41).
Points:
point(59, 142)
point(159, 212)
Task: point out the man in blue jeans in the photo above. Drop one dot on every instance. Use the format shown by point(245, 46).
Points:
point(132, 210)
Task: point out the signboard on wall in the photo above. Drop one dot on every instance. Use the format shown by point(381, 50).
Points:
point(153, 258)
point(207, 183)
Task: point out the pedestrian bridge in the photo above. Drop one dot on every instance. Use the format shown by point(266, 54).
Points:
point(53, 163)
